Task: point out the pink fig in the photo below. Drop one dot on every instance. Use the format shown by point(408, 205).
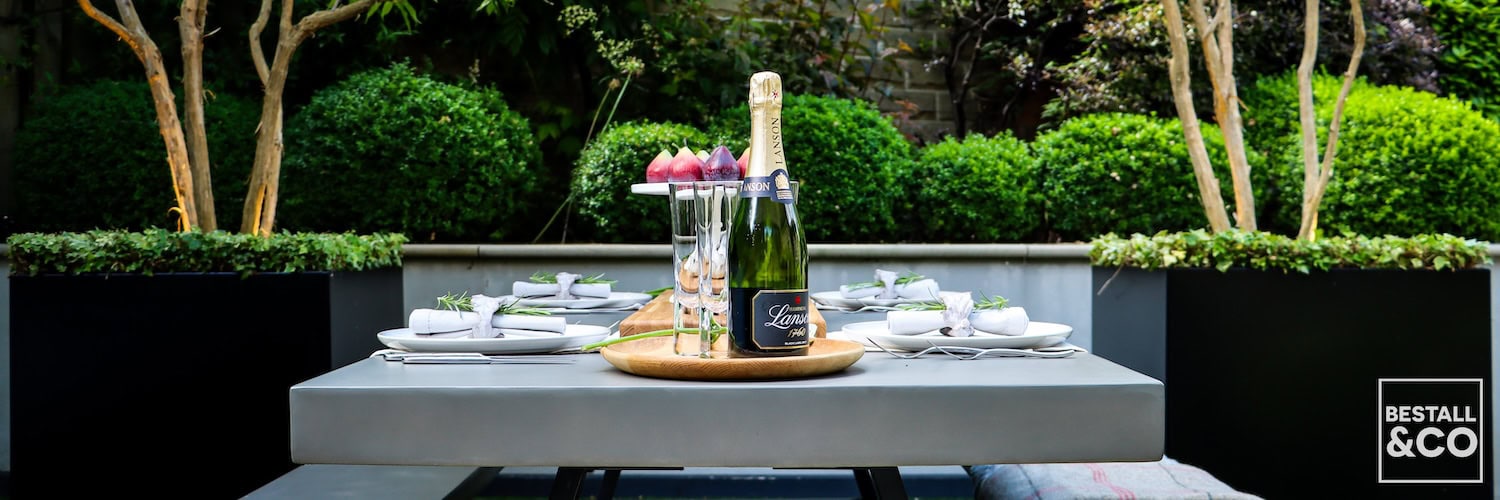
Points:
point(657, 170)
point(685, 167)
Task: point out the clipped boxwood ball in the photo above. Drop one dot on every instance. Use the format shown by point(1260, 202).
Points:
point(847, 158)
point(1408, 163)
point(610, 164)
point(92, 156)
point(390, 150)
point(983, 189)
point(1126, 174)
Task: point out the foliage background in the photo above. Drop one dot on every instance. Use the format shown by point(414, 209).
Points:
point(686, 62)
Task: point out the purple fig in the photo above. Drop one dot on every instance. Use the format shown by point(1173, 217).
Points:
point(721, 166)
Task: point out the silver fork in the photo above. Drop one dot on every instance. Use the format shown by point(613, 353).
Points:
point(969, 353)
point(918, 354)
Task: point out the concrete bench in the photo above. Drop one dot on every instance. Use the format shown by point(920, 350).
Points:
point(1164, 479)
point(377, 482)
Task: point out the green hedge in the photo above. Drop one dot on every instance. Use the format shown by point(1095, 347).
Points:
point(91, 156)
point(610, 164)
point(1469, 66)
point(1266, 251)
point(162, 251)
point(1120, 173)
point(847, 158)
point(1408, 163)
point(982, 189)
point(390, 150)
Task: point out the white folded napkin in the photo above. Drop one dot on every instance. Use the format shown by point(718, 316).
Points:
point(459, 324)
point(564, 289)
point(959, 319)
point(925, 289)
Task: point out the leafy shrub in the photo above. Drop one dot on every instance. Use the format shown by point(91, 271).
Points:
point(1124, 173)
point(391, 150)
point(1272, 119)
point(1469, 66)
point(162, 251)
point(1267, 251)
point(981, 189)
point(92, 156)
point(614, 161)
point(847, 158)
point(1408, 162)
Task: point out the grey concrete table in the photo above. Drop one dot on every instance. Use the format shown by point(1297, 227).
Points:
point(881, 413)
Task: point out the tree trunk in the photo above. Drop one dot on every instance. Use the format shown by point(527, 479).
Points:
point(1182, 96)
point(1315, 184)
point(265, 174)
point(1216, 36)
point(190, 26)
point(133, 33)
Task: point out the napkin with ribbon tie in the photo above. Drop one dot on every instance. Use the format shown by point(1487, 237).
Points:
point(923, 289)
point(959, 319)
point(566, 288)
point(461, 324)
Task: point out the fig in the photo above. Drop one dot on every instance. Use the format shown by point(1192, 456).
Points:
point(703, 155)
point(721, 166)
point(744, 162)
point(685, 167)
point(657, 170)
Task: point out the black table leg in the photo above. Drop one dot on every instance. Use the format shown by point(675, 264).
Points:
point(882, 483)
point(607, 488)
point(568, 482)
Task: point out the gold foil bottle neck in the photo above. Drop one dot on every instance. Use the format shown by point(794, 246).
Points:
point(765, 90)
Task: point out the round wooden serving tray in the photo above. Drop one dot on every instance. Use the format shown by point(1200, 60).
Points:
point(653, 357)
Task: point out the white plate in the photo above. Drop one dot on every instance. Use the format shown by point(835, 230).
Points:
point(616, 300)
point(574, 336)
point(1038, 334)
point(650, 188)
point(836, 299)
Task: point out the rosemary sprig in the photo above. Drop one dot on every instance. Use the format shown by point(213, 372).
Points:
point(714, 333)
point(905, 278)
point(984, 303)
point(597, 279)
point(658, 291)
point(463, 302)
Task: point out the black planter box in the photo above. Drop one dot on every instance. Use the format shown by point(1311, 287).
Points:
point(1272, 379)
point(175, 385)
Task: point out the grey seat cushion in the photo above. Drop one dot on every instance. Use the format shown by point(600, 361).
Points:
point(1164, 479)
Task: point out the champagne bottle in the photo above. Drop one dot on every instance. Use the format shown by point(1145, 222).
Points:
point(768, 303)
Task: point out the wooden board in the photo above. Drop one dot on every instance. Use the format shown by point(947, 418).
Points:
point(657, 315)
point(653, 357)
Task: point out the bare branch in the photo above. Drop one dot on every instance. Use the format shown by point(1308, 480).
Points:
point(258, 54)
point(320, 19)
point(1207, 38)
point(114, 26)
point(1182, 96)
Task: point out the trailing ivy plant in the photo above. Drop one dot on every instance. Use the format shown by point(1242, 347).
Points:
point(162, 251)
point(1268, 251)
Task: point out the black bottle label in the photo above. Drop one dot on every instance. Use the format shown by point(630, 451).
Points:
point(775, 319)
point(777, 186)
